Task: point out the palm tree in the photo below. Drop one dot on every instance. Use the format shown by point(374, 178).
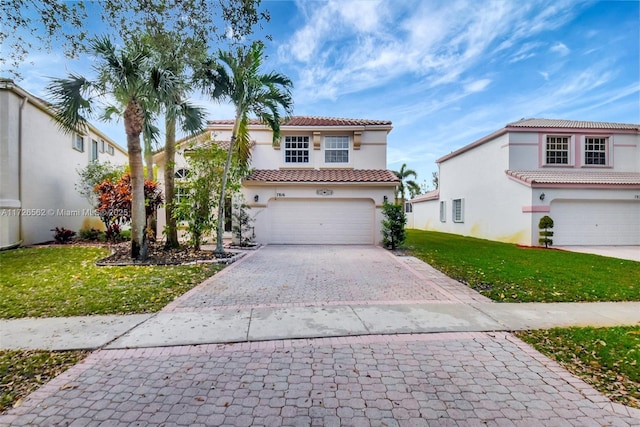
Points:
point(129, 77)
point(406, 184)
point(236, 78)
point(175, 53)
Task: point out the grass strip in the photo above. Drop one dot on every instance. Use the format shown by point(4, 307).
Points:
point(606, 358)
point(23, 371)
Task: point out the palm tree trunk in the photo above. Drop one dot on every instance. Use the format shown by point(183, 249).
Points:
point(133, 121)
point(223, 189)
point(169, 182)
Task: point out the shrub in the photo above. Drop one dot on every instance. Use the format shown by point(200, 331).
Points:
point(63, 235)
point(545, 224)
point(393, 232)
point(89, 234)
point(242, 224)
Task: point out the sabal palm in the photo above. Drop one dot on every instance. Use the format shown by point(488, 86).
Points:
point(406, 184)
point(129, 76)
point(235, 77)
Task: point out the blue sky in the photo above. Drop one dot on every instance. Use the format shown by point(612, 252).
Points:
point(444, 72)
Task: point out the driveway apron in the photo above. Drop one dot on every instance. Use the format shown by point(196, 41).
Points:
point(359, 373)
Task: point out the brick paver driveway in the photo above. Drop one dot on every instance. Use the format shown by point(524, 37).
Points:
point(449, 379)
point(283, 275)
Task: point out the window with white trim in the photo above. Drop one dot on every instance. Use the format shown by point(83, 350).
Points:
point(181, 190)
point(443, 211)
point(595, 150)
point(102, 145)
point(110, 149)
point(557, 150)
point(336, 149)
point(408, 207)
point(94, 150)
point(78, 142)
point(296, 149)
point(457, 211)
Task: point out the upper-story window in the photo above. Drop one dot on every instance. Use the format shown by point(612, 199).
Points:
point(595, 150)
point(102, 145)
point(94, 150)
point(78, 142)
point(110, 149)
point(557, 150)
point(336, 149)
point(296, 149)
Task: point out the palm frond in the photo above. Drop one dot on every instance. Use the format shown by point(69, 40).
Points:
point(71, 105)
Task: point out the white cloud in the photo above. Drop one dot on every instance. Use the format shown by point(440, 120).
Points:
point(560, 48)
point(477, 86)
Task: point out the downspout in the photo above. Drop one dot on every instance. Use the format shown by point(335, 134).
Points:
point(23, 104)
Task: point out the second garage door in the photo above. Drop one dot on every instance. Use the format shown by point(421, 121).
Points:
point(595, 222)
point(302, 221)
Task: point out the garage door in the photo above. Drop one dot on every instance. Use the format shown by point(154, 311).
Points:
point(590, 222)
point(302, 221)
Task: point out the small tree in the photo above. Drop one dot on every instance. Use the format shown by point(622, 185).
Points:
point(545, 225)
point(92, 175)
point(393, 232)
point(242, 226)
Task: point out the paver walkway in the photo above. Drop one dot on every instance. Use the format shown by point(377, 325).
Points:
point(465, 378)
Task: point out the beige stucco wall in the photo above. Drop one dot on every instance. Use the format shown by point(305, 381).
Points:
point(39, 172)
point(370, 155)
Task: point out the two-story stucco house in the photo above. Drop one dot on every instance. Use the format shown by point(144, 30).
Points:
point(584, 175)
point(325, 182)
point(38, 169)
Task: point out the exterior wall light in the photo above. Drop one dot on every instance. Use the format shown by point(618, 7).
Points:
point(256, 198)
point(385, 199)
point(541, 196)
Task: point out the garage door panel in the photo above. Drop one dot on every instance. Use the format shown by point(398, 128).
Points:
point(298, 221)
point(595, 222)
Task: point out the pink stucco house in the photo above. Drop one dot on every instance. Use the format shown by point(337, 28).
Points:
point(585, 175)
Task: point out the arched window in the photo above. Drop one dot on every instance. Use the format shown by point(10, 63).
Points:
point(181, 192)
point(182, 173)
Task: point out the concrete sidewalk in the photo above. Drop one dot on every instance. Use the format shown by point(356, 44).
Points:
point(263, 324)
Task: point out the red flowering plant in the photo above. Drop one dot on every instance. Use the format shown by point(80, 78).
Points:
point(114, 202)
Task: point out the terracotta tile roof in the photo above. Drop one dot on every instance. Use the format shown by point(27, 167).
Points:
point(314, 121)
point(324, 175)
point(580, 177)
point(429, 195)
point(556, 123)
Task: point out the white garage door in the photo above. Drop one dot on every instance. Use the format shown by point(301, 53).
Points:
point(342, 222)
point(590, 222)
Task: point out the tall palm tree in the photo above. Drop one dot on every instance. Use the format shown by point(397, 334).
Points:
point(175, 54)
point(235, 77)
point(406, 184)
point(129, 76)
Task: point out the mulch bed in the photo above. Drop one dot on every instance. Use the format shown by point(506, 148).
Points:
point(158, 255)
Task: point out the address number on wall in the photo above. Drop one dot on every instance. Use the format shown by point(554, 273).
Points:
point(280, 195)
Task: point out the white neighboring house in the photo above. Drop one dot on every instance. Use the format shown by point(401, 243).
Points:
point(584, 175)
point(325, 182)
point(38, 170)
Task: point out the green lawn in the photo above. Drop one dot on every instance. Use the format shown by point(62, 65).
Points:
point(508, 273)
point(64, 281)
point(606, 358)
